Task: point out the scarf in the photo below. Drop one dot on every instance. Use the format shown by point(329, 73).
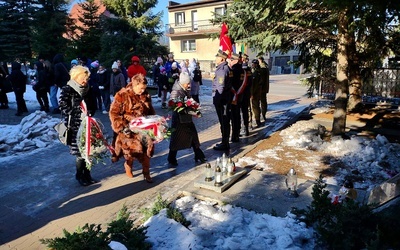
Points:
point(82, 90)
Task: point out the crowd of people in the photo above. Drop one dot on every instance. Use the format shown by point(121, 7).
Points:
point(239, 92)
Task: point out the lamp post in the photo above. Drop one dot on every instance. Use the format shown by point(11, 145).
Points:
point(218, 177)
point(291, 184)
point(208, 172)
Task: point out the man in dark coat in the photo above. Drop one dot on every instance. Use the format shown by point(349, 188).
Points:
point(60, 78)
point(222, 98)
point(3, 90)
point(18, 81)
point(237, 83)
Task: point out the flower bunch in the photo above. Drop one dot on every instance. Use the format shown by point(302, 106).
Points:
point(155, 126)
point(91, 141)
point(179, 105)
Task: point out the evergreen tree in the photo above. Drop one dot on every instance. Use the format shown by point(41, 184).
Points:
point(351, 34)
point(139, 32)
point(88, 32)
point(49, 28)
point(15, 23)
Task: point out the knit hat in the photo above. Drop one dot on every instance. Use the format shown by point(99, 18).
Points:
point(135, 59)
point(159, 60)
point(74, 62)
point(162, 70)
point(114, 65)
point(95, 64)
point(184, 78)
point(174, 65)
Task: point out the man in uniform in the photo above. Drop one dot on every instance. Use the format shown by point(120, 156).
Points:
point(222, 97)
point(245, 105)
point(264, 78)
point(237, 90)
point(256, 91)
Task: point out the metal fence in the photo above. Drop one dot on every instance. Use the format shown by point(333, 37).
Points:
point(378, 85)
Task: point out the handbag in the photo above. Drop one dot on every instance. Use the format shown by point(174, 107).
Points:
point(64, 131)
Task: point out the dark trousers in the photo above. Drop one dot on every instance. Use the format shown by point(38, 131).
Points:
point(224, 114)
point(105, 96)
point(3, 98)
point(244, 107)
point(41, 97)
point(21, 105)
point(235, 114)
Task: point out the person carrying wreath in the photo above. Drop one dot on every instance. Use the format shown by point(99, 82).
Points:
point(71, 96)
point(131, 102)
point(184, 133)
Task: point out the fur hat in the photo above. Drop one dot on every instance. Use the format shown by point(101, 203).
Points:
point(184, 78)
point(95, 64)
point(174, 65)
point(114, 65)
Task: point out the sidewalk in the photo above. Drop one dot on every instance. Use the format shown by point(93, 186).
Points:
point(52, 200)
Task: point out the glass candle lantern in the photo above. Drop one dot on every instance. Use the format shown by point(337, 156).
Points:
point(291, 183)
point(224, 162)
point(218, 177)
point(208, 172)
point(230, 167)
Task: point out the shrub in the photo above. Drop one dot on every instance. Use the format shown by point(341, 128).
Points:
point(172, 213)
point(92, 237)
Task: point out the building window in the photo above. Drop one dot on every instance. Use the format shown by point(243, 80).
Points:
point(220, 11)
point(188, 45)
point(179, 18)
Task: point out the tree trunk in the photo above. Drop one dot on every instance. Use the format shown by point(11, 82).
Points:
point(339, 115)
point(355, 82)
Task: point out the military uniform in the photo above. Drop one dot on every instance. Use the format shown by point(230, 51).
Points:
point(222, 98)
point(264, 81)
point(237, 82)
point(256, 91)
point(245, 105)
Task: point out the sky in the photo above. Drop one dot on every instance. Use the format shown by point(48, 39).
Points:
point(227, 227)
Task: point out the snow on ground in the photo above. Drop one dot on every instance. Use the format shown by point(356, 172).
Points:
point(227, 227)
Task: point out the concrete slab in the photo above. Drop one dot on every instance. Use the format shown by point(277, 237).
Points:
point(227, 181)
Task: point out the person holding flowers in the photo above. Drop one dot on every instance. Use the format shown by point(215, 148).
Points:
point(71, 98)
point(130, 103)
point(184, 132)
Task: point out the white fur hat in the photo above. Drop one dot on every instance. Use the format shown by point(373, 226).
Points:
point(184, 78)
point(114, 65)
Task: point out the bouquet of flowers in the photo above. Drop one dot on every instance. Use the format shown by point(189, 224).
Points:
point(155, 126)
point(91, 141)
point(190, 105)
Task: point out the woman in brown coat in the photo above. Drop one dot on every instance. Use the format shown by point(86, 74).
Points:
point(131, 102)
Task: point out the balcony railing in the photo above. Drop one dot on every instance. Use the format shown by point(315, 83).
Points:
point(199, 27)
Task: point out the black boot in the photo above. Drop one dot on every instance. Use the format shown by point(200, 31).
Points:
point(199, 155)
point(88, 177)
point(172, 157)
point(80, 168)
